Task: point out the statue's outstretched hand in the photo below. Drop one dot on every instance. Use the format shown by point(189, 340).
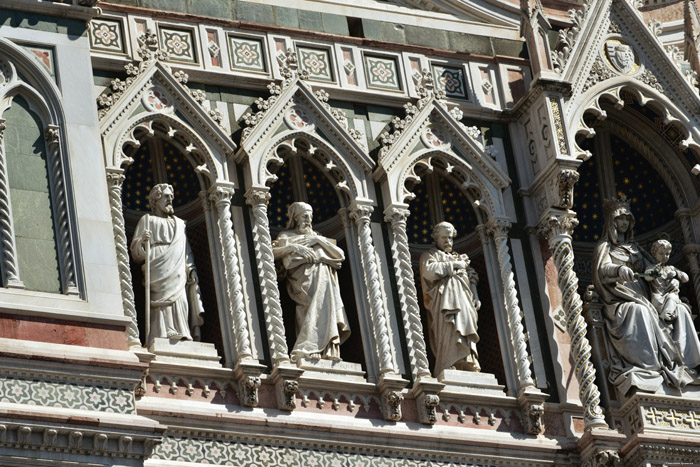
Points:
point(625, 274)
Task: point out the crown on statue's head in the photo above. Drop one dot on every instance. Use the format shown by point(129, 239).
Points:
point(617, 205)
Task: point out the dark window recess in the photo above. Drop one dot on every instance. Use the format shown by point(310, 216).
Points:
point(355, 27)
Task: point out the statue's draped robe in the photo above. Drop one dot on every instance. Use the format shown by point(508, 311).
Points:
point(452, 316)
point(321, 322)
point(646, 351)
point(176, 309)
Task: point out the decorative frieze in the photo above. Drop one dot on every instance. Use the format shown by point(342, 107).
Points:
point(66, 395)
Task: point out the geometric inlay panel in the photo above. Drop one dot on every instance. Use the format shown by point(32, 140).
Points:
point(247, 54)
point(451, 79)
point(45, 56)
point(179, 43)
point(106, 35)
point(316, 62)
point(381, 72)
point(66, 395)
point(230, 452)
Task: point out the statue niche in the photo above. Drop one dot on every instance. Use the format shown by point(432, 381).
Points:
point(309, 262)
point(172, 220)
point(650, 329)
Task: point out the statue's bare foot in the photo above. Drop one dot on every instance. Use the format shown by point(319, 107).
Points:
point(315, 356)
point(173, 335)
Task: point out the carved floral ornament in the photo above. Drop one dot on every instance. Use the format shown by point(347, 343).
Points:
point(620, 56)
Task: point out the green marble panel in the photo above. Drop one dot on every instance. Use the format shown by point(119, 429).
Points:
point(286, 17)
point(310, 20)
point(212, 8)
point(38, 264)
point(335, 24)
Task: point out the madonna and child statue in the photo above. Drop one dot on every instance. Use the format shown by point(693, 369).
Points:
point(649, 327)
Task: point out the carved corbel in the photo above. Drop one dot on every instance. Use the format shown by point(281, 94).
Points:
point(286, 381)
point(50, 438)
point(425, 391)
point(534, 417)
point(247, 374)
point(390, 387)
point(24, 435)
point(75, 440)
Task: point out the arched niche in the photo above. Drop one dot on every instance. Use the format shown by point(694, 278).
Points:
point(299, 176)
point(153, 108)
point(635, 147)
point(159, 158)
point(296, 122)
point(441, 196)
point(432, 140)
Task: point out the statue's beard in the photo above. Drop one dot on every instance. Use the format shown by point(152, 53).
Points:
point(168, 210)
point(305, 228)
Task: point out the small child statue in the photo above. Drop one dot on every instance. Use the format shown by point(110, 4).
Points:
point(665, 282)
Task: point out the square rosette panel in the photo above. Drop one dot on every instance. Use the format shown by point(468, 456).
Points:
point(247, 54)
point(106, 36)
point(451, 79)
point(317, 62)
point(382, 73)
point(179, 43)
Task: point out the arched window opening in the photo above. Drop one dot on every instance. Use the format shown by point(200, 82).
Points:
point(300, 179)
point(31, 200)
point(159, 160)
point(438, 198)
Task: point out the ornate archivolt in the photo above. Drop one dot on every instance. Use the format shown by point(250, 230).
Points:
point(432, 137)
point(19, 76)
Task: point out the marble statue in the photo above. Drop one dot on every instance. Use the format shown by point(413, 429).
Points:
point(309, 262)
point(452, 301)
point(649, 348)
point(175, 305)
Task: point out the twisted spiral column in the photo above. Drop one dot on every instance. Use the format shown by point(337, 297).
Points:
point(68, 274)
point(264, 258)
point(115, 179)
point(7, 229)
point(557, 229)
point(498, 229)
point(408, 296)
point(360, 214)
point(221, 197)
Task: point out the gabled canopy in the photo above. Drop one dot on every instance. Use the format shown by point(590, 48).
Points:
point(157, 100)
point(295, 111)
point(613, 49)
point(433, 133)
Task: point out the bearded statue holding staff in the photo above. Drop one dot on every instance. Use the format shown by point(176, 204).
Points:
point(160, 242)
point(309, 262)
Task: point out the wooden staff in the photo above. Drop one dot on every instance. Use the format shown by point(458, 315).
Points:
point(148, 288)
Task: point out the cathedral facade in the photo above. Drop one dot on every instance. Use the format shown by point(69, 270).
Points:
point(367, 233)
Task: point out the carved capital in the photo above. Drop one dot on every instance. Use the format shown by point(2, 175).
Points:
point(396, 215)
point(221, 196)
point(257, 196)
point(556, 225)
point(566, 180)
point(115, 179)
point(498, 227)
point(360, 213)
